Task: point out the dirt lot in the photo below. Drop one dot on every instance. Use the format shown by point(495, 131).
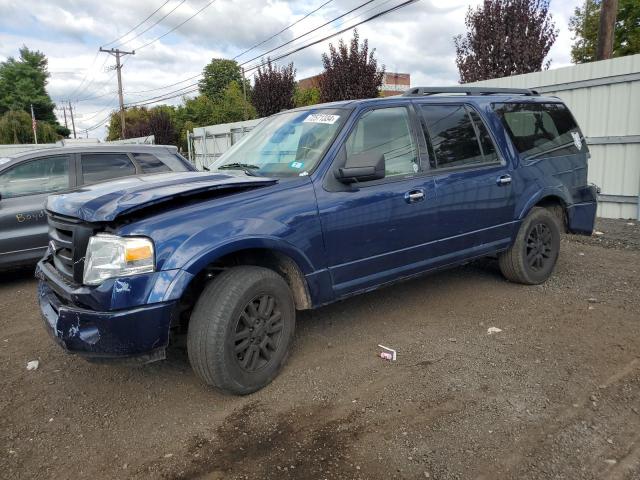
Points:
point(556, 394)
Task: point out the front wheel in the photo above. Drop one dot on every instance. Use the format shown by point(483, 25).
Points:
point(241, 329)
point(532, 257)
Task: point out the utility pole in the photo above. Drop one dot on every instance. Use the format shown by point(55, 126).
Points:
point(119, 53)
point(244, 92)
point(608, 11)
point(34, 125)
point(73, 124)
point(64, 112)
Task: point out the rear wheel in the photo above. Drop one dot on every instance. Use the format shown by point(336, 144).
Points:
point(241, 329)
point(532, 257)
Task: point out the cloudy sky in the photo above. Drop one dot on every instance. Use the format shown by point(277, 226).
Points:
point(416, 39)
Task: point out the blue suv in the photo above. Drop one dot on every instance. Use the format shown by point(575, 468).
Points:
point(315, 205)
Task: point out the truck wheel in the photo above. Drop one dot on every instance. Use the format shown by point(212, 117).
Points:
point(532, 257)
point(240, 329)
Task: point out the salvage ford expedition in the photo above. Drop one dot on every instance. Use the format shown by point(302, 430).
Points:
point(314, 205)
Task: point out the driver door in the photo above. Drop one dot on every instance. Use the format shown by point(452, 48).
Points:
point(376, 231)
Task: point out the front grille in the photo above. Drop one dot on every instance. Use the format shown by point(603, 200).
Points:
point(68, 239)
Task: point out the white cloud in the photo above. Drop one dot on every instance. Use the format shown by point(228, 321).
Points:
point(417, 39)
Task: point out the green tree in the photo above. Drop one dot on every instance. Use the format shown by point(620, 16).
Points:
point(16, 127)
point(136, 120)
point(304, 97)
point(217, 75)
point(584, 26)
point(23, 82)
point(231, 106)
point(201, 111)
point(158, 121)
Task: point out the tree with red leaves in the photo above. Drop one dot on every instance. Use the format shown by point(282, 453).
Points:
point(505, 37)
point(274, 89)
point(350, 72)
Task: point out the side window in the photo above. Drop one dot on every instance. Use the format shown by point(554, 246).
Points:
point(104, 166)
point(150, 163)
point(486, 144)
point(541, 128)
point(455, 139)
point(387, 132)
point(44, 175)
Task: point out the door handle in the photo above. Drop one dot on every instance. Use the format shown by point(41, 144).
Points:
point(503, 180)
point(414, 196)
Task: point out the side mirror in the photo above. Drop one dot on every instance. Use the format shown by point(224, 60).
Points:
point(362, 167)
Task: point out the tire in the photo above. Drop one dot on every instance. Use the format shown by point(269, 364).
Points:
point(241, 328)
point(532, 257)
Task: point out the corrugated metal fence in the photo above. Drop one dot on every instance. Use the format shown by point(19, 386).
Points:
point(605, 99)
point(208, 143)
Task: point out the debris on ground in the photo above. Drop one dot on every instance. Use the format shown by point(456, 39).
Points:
point(492, 330)
point(33, 365)
point(388, 353)
point(598, 232)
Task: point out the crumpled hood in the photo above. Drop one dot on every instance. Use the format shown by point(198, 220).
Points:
point(104, 202)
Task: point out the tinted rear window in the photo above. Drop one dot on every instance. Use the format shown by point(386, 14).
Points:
point(541, 129)
point(457, 136)
point(150, 163)
point(97, 167)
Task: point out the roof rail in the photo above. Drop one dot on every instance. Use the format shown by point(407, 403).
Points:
point(425, 91)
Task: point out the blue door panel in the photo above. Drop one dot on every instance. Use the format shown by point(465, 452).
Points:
point(374, 230)
point(473, 209)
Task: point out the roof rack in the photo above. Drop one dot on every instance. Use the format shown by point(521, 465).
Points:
point(425, 91)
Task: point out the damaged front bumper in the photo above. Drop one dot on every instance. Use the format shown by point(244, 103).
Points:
point(139, 334)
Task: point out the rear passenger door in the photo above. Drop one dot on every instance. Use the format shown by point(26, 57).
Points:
point(99, 167)
point(475, 198)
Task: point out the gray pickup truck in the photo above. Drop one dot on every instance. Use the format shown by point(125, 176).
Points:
point(26, 179)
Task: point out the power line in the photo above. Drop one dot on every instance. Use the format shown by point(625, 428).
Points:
point(177, 26)
point(154, 24)
point(162, 96)
point(139, 24)
point(162, 88)
point(342, 21)
point(105, 82)
point(79, 91)
point(118, 53)
point(183, 91)
point(234, 58)
point(315, 42)
point(310, 31)
point(86, 74)
point(282, 31)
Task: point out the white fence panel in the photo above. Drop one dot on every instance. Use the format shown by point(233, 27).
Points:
point(206, 144)
point(605, 99)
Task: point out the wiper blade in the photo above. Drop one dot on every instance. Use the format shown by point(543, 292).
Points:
point(238, 166)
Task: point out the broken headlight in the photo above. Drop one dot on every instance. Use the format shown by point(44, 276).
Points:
point(110, 256)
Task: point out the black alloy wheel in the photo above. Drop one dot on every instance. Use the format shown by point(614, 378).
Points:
point(258, 333)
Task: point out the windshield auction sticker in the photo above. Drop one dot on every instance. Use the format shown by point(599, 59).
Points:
point(321, 118)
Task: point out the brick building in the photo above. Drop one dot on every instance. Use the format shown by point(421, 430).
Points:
point(392, 83)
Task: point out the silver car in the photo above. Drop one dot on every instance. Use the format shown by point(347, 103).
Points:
point(27, 178)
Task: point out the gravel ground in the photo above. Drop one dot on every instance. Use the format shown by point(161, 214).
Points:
point(554, 395)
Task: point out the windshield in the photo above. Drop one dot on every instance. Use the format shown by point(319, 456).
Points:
point(287, 144)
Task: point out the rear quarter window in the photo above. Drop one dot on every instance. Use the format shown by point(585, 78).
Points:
point(541, 129)
point(160, 161)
